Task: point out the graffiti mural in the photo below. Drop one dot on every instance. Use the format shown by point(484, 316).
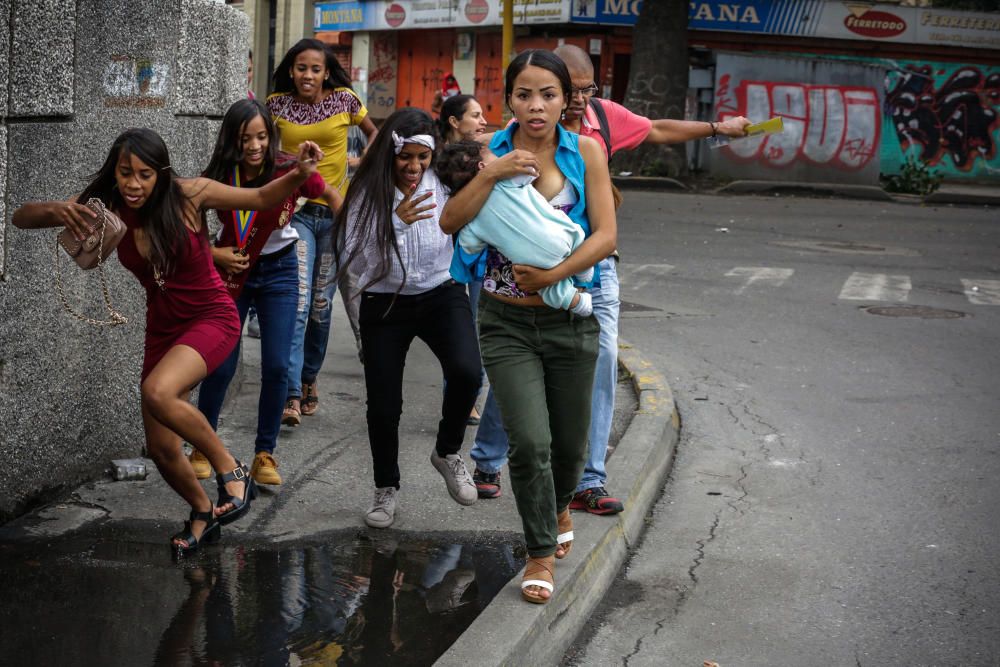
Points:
point(382, 79)
point(950, 123)
point(825, 125)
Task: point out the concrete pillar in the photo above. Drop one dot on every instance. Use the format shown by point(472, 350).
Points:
point(464, 65)
point(294, 21)
point(76, 75)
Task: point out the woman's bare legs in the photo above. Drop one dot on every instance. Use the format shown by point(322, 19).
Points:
point(164, 447)
point(170, 417)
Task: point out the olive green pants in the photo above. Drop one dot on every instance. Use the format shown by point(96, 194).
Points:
point(540, 362)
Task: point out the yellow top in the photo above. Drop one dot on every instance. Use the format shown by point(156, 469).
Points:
point(326, 123)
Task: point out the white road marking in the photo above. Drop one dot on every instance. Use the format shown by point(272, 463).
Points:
point(876, 287)
point(982, 292)
point(759, 274)
point(641, 275)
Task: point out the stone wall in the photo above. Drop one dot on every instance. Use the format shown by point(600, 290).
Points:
point(72, 77)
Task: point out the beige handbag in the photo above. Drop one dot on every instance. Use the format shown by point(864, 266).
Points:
point(91, 253)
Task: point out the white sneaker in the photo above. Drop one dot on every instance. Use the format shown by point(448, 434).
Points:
point(457, 477)
point(383, 510)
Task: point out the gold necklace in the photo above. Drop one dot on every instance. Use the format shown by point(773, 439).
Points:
point(158, 279)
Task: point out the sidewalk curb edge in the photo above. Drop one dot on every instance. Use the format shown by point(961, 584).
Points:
point(512, 632)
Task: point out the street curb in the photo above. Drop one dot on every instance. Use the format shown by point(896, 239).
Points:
point(964, 198)
point(647, 183)
point(868, 192)
point(511, 631)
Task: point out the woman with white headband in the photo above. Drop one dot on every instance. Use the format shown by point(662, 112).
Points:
point(395, 246)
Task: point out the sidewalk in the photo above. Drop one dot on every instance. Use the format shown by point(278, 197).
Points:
point(949, 193)
point(326, 466)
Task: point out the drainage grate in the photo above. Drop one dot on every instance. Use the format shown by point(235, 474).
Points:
point(923, 312)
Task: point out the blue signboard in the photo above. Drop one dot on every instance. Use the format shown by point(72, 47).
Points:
point(348, 15)
point(606, 12)
point(784, 17)
point(776, 17)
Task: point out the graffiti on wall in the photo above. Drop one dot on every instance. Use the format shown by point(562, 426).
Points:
point(942, 119)
point(826, 125)
point(383, 75)
point(135, 82)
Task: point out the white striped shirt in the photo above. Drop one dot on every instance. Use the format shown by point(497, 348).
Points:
point(425, 250)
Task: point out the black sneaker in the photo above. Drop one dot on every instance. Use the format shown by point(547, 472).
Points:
point(596, 501)
point(487, 483)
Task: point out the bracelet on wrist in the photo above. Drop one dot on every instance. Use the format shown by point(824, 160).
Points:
point(713, 125)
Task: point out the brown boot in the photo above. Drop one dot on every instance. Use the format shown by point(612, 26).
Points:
point(265, 469)
point(202, 468)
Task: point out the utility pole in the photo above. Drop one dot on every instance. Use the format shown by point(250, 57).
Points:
point(508, 32)
point(508, 46)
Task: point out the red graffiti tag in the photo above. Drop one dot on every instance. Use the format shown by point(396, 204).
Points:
point(723, 102)
point(836, 126)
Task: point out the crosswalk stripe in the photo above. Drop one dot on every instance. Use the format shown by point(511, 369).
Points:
point(982, 292)
point(876, 287)
point(759, 275)
point(643, 274)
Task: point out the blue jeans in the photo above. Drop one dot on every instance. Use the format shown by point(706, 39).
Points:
point(314, 224)
point(273, 288)
point(602, 407)
point(490, 448)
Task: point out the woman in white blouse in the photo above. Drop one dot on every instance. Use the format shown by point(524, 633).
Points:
point(393, 243)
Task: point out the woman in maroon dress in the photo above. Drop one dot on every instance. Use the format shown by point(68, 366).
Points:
point(191, 321)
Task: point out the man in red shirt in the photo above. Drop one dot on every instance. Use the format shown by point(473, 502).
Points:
point(624, 130)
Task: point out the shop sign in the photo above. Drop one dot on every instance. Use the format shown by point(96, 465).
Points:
point(875, 24)
point(410, 14)
point(606, 12)
point(348, 15)
point(816, 18)
point(395, 15)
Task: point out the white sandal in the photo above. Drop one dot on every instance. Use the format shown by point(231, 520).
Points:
point(564, 540)
point(533, 568)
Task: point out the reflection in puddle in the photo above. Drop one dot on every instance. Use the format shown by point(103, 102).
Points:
point(348, 600)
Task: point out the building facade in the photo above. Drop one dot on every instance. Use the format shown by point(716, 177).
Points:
point(926, 82)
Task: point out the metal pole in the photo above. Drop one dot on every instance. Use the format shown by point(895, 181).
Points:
point(508, 32)
point(508, 44)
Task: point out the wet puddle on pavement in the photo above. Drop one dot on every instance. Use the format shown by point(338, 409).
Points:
point(347, 598)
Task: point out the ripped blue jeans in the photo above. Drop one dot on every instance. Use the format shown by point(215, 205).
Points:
point(314, 223)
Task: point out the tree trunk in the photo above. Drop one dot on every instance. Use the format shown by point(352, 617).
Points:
point(657, 84)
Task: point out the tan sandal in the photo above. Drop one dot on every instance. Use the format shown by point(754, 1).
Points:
point(291, 415)
point(310, 400)
point(564, 540)
point(538, 574)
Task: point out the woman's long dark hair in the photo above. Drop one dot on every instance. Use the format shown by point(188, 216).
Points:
point(162, 216)
point(371, 196)
point(538, 58)
point(336, 76)
point(456, 106)
point(228, 150)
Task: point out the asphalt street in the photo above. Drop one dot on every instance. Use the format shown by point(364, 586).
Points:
point(833, 500)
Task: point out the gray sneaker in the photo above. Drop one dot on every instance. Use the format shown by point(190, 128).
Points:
point(383, 510)
point(457, 477)
point(253, 326)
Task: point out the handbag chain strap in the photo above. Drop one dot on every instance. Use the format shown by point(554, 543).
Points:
point(116, 317)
